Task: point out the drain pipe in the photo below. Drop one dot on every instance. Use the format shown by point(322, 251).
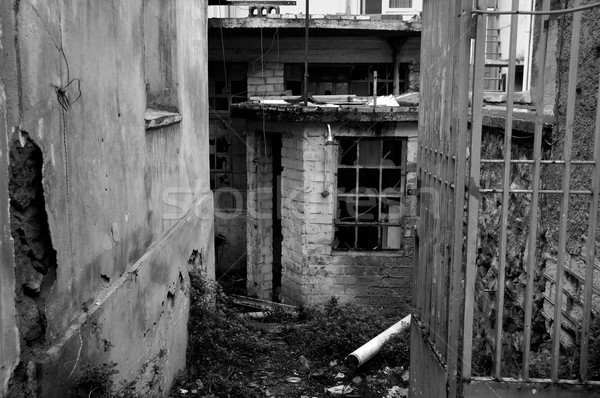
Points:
point(358, 357)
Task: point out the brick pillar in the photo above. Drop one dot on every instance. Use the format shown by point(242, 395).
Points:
point(259, 231)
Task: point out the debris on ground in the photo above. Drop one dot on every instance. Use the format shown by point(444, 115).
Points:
point(286, 354)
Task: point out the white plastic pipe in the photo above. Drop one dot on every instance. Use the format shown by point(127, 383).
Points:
point(368, 350)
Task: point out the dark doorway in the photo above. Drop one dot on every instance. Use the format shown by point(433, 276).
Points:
point(277, 235)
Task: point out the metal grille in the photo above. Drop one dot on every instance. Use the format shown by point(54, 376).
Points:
point(452, 163)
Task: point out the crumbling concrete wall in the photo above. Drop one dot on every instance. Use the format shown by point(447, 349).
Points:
point(9, 335)
point(124, 206)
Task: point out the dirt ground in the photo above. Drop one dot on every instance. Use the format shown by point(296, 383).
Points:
point(289, 356)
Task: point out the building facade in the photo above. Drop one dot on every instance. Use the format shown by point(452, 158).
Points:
point(104, 190)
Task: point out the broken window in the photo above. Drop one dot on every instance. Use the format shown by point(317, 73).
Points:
point(370, 194)
point(227, 84)
point(227, 157)
point(343, 79)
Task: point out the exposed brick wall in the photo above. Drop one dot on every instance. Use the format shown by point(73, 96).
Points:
point(292, 215)
point(267, 81)
point(259, 233)
point(313, 271)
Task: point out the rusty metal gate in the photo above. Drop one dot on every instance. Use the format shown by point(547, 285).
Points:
point(506, 300)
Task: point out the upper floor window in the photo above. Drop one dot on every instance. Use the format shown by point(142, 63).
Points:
point(343, 79)
point(371, 181)
point(227, 84)
point(401, 3)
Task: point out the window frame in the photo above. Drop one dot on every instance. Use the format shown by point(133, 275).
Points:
point(385, 81)
point(381, 223)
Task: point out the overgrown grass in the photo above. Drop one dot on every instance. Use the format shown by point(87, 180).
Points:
point(222, 345)
point(332, 331)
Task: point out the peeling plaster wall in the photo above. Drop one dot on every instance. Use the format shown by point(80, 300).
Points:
point(9, 337)
point(125, 206)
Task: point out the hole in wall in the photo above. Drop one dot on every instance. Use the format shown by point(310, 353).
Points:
point(35, 257)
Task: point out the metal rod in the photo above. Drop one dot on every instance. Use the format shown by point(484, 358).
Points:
point(541, 191)
point(532, 161)
point(463, 28)
point(591, 250)
point(474, 186)
point(307, 21)
point(375, 89)
point(564, 210)
point(547, 12)
point(533, 217)
point(506, 187)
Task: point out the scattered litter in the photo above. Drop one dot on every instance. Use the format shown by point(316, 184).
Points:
point(293, 380)
point(387, 370)
point(357, 380)
point(253, 385)
point(183, 391)
point(340, 390)
point(304, 362)
point(333, 363)
point(405, 376)
point(385, 101)
point(339, 376)
point(397, 392)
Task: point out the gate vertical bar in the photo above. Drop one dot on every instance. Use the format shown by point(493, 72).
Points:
point(474, 181)
point(510, 97)
point(460, 124)
point(567, 156)
point(591, 249)
point(535, 196)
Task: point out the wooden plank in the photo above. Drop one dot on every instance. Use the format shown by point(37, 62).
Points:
point(535, 197)
point(591, 250)
point(474, 181)
point(505, 186)
point(564, 210)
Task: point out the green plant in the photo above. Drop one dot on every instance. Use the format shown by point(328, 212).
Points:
point(94, 381)
point(333, 331)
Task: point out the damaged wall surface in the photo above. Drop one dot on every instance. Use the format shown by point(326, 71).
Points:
point(104, 213)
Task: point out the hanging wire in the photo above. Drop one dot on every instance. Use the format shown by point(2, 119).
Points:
point(61, 91)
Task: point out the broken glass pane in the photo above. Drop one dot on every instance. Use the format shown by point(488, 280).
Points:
point(368, 209)
point(344, 238)
point(368, 180)
point(222, 162)
point(391, 210)
point(348, 152)
point(370, 153)
point(368, 238)
point(392, 153)
point(391, 181)
point(345, 209)
point(222, 144)
point(346, 180)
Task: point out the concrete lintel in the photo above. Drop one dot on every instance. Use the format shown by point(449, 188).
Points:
point(324, 23)
point(290, 113)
